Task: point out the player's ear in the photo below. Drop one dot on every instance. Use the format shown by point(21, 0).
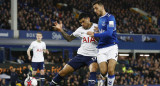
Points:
point(88, 19)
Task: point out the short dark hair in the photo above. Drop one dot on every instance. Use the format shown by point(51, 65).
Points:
point(99, 2)
point(39, 33)
point(83, 15)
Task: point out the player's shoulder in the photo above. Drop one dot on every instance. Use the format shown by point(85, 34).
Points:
point(79, 28)
point(108, 15)
point(43, 42)
point(33, 42)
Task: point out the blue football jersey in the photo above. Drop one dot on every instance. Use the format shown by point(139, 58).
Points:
point(107, 31)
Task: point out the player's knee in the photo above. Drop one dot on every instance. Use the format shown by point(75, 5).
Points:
point(94, 69)
point(62, 73)
point(111, 71)
point(42, 72)
point(103, 72)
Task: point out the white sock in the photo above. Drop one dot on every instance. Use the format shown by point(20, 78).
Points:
point(106, 75)
point(111, 80)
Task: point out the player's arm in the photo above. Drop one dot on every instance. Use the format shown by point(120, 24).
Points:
point(67, 36)
point(46, 51)
point(108, 32)
point(44, 48)
point(28, 53)
point(64, 34)
point(110, 28)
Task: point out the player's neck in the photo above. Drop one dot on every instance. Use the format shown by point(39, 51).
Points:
point(104, 13)
point(38, 41)
point(90, 25)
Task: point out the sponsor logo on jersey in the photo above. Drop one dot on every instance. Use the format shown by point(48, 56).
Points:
point(88, 39)
point(39, 50)
point(111, 23)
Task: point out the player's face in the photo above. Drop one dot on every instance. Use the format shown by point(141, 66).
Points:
point(39, 37)
point(98, 9)
point(85, 22)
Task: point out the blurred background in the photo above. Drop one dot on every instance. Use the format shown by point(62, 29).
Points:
point(138, 27)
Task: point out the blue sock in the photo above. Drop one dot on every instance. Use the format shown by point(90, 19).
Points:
point(57, 78)
point(92, 79)
point(42, 80)
point(111, 79)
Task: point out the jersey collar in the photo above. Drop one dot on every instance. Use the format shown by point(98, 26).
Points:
point(104, 15)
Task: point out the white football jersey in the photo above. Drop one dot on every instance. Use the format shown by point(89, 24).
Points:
point(88, 44)
point(38, 48)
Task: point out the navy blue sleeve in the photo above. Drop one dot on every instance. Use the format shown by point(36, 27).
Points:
point(110, 27)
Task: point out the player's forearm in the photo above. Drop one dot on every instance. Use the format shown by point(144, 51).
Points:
point(45, 51)
point(28, 53)
point(104, 34)
point(66, 36)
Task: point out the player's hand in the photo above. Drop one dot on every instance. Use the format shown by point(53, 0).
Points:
point(90, 33)
point(58, 27)
point(96, 29)
point(47, 51)
point(29, 57)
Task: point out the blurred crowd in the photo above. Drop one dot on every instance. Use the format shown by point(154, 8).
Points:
point(40, 14)
point(142, 70)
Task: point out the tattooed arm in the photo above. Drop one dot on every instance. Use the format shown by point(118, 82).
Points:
point(66, 36)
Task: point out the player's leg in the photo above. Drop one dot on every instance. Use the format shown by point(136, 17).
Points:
point(92, 78)
point(111, 69)
point(103, 64)
point(65, 71)
point(42, 73)
point(34, 67)
point(112, 56)
point(70, 67)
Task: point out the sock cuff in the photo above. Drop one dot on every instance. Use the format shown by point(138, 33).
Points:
point(111, 76)
point(59, 76)
point(42, 75)
point(93, 72)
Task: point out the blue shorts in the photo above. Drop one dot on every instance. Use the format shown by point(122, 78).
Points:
point(38, 65)
point(80, 61)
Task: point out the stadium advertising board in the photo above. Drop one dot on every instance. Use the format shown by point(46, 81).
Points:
point(6, 33)
point(46, 35)
point(20, 67)
point(150, 42)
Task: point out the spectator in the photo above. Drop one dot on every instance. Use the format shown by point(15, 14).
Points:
point(19, 60)
point(14, 77)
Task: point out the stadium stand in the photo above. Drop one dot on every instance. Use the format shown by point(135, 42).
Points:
point(33, 16)
point(142, 70)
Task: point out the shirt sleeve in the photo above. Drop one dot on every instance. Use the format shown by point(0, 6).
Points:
point(76, 33)
point(32, 45)
point(111, 24)
point(44, 47)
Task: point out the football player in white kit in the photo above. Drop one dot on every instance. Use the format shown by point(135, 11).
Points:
point(86, 53)
point(39, 47)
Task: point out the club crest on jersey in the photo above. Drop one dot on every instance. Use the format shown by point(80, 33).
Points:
point(103, 23)
point(88, 39)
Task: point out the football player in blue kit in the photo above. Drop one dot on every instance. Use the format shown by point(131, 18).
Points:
point(107, 46)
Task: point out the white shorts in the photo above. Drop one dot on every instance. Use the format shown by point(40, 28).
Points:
point(107, 53)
